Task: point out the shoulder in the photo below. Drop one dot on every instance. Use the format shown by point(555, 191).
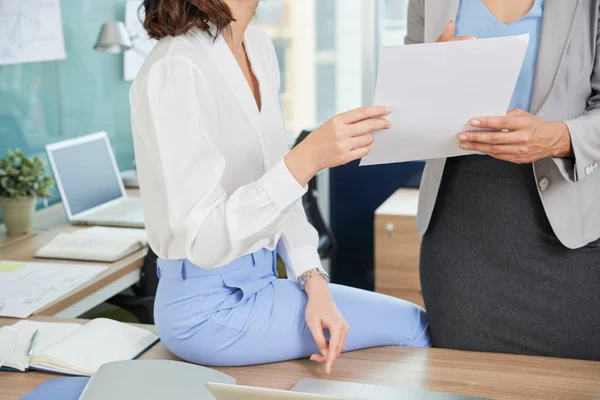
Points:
point(172, 58)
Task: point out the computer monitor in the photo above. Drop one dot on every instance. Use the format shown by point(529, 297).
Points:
point(86, 173)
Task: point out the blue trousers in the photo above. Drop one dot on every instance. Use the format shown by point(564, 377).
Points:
point(241, 314)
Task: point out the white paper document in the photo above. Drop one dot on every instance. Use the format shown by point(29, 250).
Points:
point(25, 287)
point(435, 89)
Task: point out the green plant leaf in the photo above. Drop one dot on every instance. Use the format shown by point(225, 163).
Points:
point(23, 177)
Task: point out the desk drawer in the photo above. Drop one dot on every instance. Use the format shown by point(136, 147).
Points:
point(397, 247)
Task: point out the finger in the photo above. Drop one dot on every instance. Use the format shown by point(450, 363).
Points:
point(342, 343)
point(317, 332)
point(345, 339)
point(358, 153)
point(449, 32)
point(517, 112)
point(461, 38)
point(335, 338)
point(516, 151)
point(363, 113)
point(492, 137)
point(511, 158)
point(508, 122)
point(369, 125)
point(361, 141)
point(318, 358)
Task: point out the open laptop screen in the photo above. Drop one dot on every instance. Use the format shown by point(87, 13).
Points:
point(87, 174)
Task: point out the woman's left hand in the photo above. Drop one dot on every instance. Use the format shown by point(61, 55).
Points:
point(322, 313)
point(518, 137)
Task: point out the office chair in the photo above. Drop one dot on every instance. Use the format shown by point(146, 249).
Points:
point(141, 303)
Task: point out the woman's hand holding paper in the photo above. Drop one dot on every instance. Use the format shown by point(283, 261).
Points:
point(518, 137)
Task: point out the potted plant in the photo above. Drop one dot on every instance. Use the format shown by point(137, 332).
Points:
point(22, 182)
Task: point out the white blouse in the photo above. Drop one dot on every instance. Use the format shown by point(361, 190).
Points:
point(210, 164)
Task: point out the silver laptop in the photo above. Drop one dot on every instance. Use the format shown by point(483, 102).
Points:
point(318, 389)
point(89, 183)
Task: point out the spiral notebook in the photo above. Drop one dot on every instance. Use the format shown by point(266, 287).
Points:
point(75, 349)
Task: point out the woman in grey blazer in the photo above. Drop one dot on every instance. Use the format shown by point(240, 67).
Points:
point(510, 258)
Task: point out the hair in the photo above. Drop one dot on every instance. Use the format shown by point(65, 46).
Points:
point(177, 17)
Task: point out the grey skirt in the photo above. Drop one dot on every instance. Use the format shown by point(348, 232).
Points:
point(495, 277)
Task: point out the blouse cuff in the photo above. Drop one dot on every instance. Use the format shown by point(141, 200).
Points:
point(302, 260)
point(281, 186)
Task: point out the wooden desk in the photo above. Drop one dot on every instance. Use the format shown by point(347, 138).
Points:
point(48, 223)
point(397, 247)
point(497, 376)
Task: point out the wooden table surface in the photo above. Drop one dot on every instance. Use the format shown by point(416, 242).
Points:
point(496, 376)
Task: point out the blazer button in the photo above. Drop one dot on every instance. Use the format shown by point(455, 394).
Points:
point(589, 169)
point(543, 184)
point(595, 166)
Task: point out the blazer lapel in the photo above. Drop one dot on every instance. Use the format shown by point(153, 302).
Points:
point(556, 31)
point(226, 63)
point(437, 15)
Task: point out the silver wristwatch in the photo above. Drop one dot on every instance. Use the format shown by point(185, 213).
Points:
point(311, 273)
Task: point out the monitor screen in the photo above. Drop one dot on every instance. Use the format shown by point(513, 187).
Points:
point(87, 175)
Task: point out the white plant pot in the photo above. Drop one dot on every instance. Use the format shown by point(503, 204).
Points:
point(18, 214)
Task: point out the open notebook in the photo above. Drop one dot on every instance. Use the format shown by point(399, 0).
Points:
point(76, 349)
point(97, 243)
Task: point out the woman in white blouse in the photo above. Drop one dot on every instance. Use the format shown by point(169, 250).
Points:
point(222, 197)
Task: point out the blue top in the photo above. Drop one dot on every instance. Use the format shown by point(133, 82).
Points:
point(475, 19)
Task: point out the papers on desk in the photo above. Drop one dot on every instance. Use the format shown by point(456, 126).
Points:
point(27, 287)
point(434, 90)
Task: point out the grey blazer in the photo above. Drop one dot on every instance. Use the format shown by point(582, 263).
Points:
point(566, 88)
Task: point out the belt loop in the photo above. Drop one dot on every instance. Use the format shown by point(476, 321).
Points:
point(253, 258)
point(183, 274)
point(157, 270)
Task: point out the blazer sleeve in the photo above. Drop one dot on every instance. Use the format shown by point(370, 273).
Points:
point(415, 32)
point(213, 228)
point(585, 132)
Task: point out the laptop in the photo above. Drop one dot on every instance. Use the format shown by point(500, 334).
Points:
point(90, 185)
point(320, 389)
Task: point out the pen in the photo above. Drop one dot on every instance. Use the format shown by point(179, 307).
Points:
point(33, 342)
